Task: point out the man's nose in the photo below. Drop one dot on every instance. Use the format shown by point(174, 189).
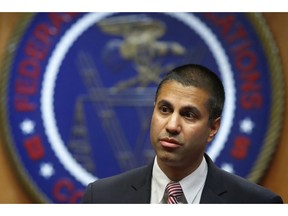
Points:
point(174, 124)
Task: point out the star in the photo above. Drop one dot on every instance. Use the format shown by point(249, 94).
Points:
point(46, 170)
point(227, 167)
point(27, 126)
point(246, 125)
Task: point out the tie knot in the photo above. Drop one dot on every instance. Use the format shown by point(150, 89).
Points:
point(174, 191)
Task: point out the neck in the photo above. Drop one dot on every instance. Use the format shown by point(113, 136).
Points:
point(176, 173)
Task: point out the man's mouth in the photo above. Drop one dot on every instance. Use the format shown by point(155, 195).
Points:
point(169, 143)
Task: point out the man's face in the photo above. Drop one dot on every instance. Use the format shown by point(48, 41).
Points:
point(179, 127)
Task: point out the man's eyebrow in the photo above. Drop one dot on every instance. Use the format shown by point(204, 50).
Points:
point(163, 101)
point(193, 109)
point(185, 108)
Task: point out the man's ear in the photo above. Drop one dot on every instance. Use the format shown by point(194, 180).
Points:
point(214, 127)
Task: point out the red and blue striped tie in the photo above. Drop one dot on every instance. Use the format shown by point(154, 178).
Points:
point(174, 192)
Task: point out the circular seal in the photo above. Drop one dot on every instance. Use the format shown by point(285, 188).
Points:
point(78, 90)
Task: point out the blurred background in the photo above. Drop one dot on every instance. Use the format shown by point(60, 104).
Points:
point(275, 176)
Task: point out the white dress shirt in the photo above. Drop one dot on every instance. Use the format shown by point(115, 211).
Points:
point(192, 185)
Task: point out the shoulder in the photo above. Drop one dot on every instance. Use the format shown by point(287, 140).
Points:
point(119, 188)
point(124, 178)
point(236, 189)
point(251, 191)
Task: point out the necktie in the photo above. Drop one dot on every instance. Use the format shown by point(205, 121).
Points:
point(174, 192)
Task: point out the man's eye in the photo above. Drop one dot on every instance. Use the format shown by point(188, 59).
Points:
point(164, 109)
point(190, 115)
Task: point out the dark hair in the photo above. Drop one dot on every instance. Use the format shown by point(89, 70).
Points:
point(200, 77)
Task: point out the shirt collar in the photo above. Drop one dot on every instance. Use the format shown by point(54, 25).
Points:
point(191, 185)
point(159, 182)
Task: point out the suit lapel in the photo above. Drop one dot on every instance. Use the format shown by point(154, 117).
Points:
point(214, 187)
point(140, 187)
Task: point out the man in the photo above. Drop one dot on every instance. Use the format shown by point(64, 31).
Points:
point(186, 117)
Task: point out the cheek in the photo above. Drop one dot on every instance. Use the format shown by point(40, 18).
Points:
point(155, 126)
point(154, 120)
point(197, 136)
point(152, 124)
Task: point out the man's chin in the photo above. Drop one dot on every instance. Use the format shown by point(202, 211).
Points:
point(168, 158)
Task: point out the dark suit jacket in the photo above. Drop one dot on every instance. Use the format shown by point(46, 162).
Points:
point(135, 187)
